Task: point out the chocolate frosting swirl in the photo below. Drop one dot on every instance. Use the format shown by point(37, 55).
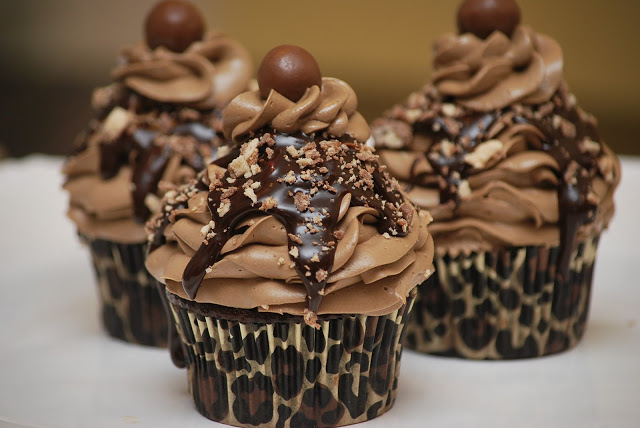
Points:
point(524, 175)
point(205, 76)
point(330, 109)
point(125, 163)
point(293, 224)
point(491, 74)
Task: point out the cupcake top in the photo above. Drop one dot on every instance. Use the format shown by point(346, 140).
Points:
point(300, 218)
point(156, 125)
point(495, 146)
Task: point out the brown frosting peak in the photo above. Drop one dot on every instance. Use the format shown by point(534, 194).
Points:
point(491, 74)
point(207, 75)
point(331, 109)
point(296, 224)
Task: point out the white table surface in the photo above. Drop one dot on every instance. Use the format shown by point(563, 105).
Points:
point(58, 368)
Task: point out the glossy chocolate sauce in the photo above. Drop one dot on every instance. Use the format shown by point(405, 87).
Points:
point(149, 160)
point(301, 181)
point(577, 167)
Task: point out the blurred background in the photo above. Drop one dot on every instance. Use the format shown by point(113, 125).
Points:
point(54, 52)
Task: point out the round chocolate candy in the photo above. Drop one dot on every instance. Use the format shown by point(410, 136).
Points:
point(174, 24)
point(290, 70)
point(483, 17)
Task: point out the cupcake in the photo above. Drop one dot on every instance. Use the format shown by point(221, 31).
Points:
point(290, 265)
point(156, 125)
point(518, 181)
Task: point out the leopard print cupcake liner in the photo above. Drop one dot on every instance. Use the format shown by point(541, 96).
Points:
point(132, 309)
point(505, 304)
point(287, 374)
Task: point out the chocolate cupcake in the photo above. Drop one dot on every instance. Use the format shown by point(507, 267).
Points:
point(156, 126)
point(290, 265)
point(518, 181)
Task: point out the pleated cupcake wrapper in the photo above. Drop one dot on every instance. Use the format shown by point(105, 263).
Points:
point(288, 374)
point(504, 304)
point(132, 309)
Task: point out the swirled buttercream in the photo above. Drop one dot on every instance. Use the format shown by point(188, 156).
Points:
point(278, 228)
point(524, 175)
point(491, 74)
point(330, 109)
point(157, 125)
point(205, 76)
point(124, 165)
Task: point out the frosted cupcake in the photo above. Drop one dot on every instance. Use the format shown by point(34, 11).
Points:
point(291, 264)
point(156, 126)
point(518, 181)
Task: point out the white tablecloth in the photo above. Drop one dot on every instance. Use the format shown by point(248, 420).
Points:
point(58, 368)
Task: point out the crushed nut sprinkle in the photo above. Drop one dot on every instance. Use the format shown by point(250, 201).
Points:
point(301, 181)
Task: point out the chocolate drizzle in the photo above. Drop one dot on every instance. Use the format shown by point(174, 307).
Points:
point(301, 180)
point(149, 160)
point(564, 128)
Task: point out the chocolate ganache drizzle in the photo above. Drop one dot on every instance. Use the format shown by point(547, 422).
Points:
point(463, 137)
point(456, 138)
point(161, 121)
point(305, 181)
point(150, 159)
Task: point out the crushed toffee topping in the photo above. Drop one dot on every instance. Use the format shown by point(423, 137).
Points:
point(302, 181)
point(147, 135)
point(566, 132)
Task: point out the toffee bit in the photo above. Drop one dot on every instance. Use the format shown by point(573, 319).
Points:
point(249, 193)
point(464, 190)
point(239, 167)
point(269, 203)
point(294, 238)
point(255, 169)
point(225, 206)
point(302, 201)
point(366, 156)
point(304, 162)
point(290, 178)
point(306, 175)
point(294, 252)
point(269, 152)
point(230, 191)
point(338, 234)
point(321, 275)
point(449, 109)
point(589, 146)
point(311, 318)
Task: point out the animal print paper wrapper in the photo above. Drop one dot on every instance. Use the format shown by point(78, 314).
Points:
point(132, 309)
point(288, 374)
point(505, 304)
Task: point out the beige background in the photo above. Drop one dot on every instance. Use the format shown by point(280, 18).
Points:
point(54, 51)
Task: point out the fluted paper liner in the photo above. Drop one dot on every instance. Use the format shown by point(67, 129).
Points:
point(132, 309)
point(282, 374)
point(504, 304)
